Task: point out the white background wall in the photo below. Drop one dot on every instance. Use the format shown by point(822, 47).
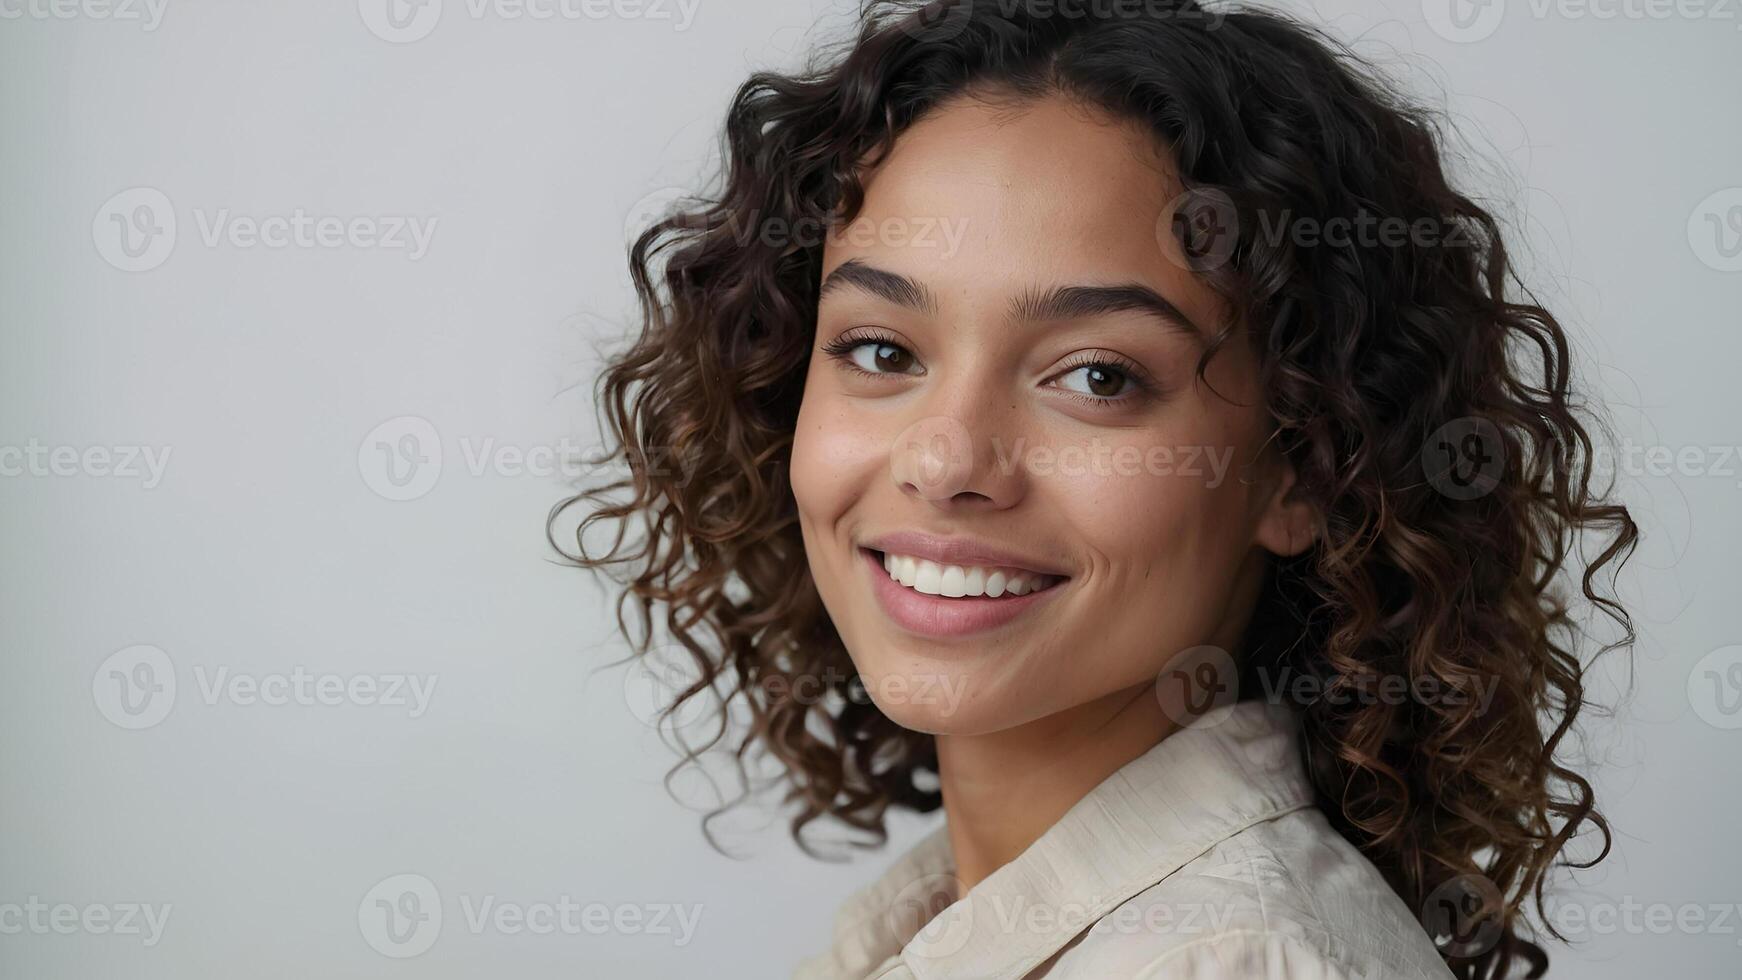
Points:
point(267, 547)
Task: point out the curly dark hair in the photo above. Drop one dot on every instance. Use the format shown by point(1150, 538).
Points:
point(1379, 363)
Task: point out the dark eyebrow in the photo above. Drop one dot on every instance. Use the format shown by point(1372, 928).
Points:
point(1075, 302)
point(1056, 303)
point(898, 289)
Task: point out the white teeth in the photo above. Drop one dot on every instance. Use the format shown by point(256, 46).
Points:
point(955, 582)
point(909, 569)
point(930, 578)
point(995, 583)
point(958, 581)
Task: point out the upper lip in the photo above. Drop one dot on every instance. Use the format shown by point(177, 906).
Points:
point(957, 551)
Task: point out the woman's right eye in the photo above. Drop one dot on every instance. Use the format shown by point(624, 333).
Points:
point(881, 358)
point(875, 356)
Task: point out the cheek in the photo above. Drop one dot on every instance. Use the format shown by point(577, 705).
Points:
point(1160, 520)
point(835, 455)
point(1160, 553)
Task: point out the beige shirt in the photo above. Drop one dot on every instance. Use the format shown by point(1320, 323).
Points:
point(1202, 858)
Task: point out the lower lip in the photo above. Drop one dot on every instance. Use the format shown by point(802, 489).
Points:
point(930, 615)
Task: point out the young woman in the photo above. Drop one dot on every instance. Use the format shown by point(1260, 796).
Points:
point(1104, 421)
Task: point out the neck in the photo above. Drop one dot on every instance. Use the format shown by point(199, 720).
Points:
point(1002, 790)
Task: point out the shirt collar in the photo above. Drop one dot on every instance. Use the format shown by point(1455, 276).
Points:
point(1233, 767)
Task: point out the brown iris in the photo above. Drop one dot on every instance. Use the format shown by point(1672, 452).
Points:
point(1104, 381)
point(893, 359)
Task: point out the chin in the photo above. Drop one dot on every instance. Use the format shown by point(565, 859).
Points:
point(922, 718)
point(942, 701)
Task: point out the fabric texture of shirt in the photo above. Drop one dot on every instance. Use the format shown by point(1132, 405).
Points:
point(1203, 858)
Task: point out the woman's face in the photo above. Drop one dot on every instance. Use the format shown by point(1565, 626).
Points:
point(1000, 408)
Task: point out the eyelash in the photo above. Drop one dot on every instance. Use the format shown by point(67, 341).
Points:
point(841, 348)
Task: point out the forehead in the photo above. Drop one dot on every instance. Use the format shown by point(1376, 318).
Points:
point(1053, 137)
point(1047, 190)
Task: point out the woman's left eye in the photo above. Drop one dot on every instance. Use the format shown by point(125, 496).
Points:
point(1098, 380)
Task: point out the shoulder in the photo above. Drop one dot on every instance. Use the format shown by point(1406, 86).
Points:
point(1285, 898)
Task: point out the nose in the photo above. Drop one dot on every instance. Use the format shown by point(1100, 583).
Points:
point(941, 460)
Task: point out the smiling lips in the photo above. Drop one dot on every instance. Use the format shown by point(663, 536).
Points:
point(953, 589)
